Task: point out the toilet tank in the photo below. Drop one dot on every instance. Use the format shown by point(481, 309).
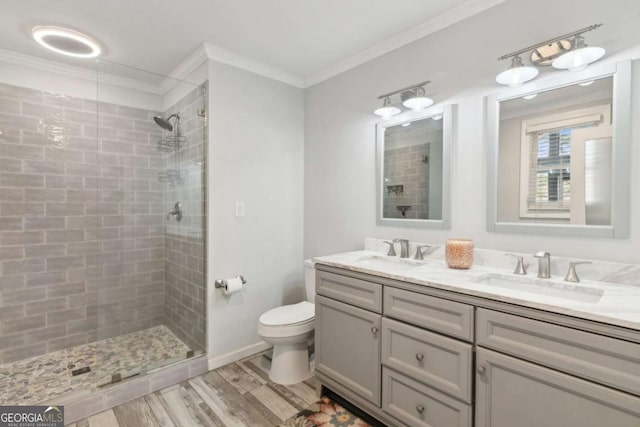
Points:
point(310, 280)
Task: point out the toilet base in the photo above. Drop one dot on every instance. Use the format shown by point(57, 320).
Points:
point(290, 363)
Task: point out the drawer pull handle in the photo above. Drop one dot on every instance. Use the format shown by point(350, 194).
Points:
point(374, 330)
point(419, 357)
point(482, 369)
point(420, 409)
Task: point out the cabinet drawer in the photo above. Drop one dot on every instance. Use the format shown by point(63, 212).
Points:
point(440, 362)
point(437, 314)
point(595, 357)
point(418, 405)
point(360, 293)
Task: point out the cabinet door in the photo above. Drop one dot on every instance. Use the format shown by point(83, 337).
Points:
point(348, 347)
point(511, 392)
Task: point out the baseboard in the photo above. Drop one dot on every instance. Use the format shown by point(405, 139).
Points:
point(234, 356)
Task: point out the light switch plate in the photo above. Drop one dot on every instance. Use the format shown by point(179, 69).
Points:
point(239, 208)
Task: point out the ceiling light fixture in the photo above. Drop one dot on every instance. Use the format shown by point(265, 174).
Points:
point(66, 42)
point(413, 97)
point(568, 51)
point(531, 96)
point(387, 110)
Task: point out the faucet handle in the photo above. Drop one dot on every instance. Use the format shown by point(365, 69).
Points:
point(572, 274)
point(419, 253)
point(520, 269)
point(392, 249)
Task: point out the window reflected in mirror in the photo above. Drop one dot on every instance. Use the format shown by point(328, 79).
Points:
point(412, 170)
point(555, 156)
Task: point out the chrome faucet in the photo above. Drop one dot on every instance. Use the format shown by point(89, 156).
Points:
point(404, 247)
point(544, 264)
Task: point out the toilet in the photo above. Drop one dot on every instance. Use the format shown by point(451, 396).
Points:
point(290, 329)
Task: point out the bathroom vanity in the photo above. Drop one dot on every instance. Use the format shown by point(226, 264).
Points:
point(417, 344)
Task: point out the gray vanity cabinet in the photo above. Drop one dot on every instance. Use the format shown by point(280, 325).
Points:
point(404, 353)
point(348, 346)
point(511, 392)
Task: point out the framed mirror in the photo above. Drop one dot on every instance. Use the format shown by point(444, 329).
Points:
point(413, 169)
point(559, 155)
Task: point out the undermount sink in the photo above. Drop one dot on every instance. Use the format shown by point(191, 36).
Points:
point(546, 287)
point(381, 261)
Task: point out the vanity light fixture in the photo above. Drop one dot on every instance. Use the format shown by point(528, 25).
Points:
point(566, 52)
point(66, 42)
point(387, 110)
point(413, 97)
point(531, 96)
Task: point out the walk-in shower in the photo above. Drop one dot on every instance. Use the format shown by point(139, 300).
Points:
point(97, 285)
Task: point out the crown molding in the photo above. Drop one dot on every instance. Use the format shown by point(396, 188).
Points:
point(33, 62)
point(246, 63)
point(437, 23)
point(185, 68)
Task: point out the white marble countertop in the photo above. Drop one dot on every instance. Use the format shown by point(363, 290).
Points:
point(611, 303)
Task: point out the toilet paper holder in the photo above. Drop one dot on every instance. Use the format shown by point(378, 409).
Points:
point(222, 283)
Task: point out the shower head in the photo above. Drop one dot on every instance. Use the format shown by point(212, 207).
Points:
point(164, 123)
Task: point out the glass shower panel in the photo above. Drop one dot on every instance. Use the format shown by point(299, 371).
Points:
point(49, 158)
point(151, 210)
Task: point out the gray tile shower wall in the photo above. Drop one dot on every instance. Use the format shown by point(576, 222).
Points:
point(184, 241)
point(82, 247)
point(407, 168)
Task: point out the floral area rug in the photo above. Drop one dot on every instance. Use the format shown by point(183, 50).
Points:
point(325, 413)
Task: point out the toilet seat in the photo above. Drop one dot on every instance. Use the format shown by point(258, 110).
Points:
point(289, 315)
point(288, 321)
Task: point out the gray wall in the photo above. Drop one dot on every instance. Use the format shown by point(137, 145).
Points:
point(256, 146)
point(340, 135)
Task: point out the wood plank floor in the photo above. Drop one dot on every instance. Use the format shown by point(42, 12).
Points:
point(239, 394)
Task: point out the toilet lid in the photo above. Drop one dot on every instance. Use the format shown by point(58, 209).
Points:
point(289, 314)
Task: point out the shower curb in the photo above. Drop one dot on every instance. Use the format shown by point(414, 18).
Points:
point(84, 404)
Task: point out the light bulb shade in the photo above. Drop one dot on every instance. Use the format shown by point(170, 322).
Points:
point(517, 73)
point(515, 77)
point(387, 110)
point(418, 103)
point(578, 59)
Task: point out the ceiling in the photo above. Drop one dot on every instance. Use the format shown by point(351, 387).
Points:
point(309, 39)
